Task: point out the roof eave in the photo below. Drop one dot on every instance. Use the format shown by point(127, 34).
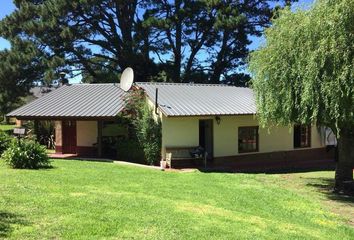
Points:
point(209, 115)
point(59, 118)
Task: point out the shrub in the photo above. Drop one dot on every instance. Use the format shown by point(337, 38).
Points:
point(5, 141)
point(130, 150)
point(149, 134)
point(147, 126)
point(46, 133)
point(26, 154)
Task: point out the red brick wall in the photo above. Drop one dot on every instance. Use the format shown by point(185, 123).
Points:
point(58, 149)
point(81, 151)
point(307, 158)
point(86, 151)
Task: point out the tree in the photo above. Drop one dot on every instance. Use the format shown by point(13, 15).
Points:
point(178, 25)
point(205, 35)
point(78, 32)
point(18, 68)
point(304, 74)
point(102, 72)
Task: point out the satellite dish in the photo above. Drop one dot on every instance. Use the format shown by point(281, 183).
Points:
point(127, 78)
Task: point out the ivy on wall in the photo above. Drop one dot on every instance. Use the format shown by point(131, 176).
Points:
point(146, 126)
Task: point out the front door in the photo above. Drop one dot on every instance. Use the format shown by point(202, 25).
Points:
point(69, 137)
point(206, 136)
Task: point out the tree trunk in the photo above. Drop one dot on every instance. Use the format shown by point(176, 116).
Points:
point(215, 77)
point(178, 51)
point(125, 13)
point(345, 163)
point(219, 65)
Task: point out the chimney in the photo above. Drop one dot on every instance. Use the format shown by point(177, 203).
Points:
point(63, 79)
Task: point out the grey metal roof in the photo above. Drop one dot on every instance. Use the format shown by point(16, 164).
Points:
point(38, 92)
point(75, 101)
point(184, 99)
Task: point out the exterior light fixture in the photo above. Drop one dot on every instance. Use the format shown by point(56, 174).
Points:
point(218, 120)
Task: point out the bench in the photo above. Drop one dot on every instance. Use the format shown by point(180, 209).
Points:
point(182, 155)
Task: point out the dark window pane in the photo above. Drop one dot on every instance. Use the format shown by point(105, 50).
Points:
point(247, 139)
point(302, 136)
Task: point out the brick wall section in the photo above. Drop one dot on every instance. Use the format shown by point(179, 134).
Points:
point(297, 159)
point(86, 151)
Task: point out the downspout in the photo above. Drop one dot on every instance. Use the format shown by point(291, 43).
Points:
point(156, 101)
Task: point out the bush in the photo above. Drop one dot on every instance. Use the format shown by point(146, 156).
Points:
point(26, 154)
point(149, 134)
point(147, 126)
point(46, 133)
point(130, 150)
point(5, 141)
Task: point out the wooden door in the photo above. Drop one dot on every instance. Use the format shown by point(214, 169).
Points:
point(69, 137)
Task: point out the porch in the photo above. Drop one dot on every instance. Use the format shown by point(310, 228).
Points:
point(83, 115)
point(89, 138)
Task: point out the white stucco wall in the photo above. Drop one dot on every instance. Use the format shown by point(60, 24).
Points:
point(86, 133)
point(184, 132)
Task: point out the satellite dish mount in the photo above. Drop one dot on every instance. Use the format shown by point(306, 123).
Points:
point(127, 78)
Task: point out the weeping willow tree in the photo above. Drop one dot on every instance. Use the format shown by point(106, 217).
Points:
point(304, 73)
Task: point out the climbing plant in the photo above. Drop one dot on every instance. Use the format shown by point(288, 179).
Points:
point(146, 126)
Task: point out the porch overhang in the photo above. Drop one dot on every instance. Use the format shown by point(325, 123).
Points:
point(75, 102)
point(64, 118)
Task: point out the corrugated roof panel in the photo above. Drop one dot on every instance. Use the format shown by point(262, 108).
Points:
point(78, 100)
point(107, 100)
point(184, 99)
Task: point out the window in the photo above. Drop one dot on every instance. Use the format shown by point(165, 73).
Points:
point(302, 136)
point(113, 134)
point(247, 139)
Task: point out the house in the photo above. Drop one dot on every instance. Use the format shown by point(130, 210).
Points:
point(35, 93)
point(80, 113)
point(220, 119)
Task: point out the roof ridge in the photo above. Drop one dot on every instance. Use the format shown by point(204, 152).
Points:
point(186, 84)
point(176, 99)
point(92, 84)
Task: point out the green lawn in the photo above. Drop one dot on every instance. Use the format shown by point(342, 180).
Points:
point(7, 127)
point(90, 200)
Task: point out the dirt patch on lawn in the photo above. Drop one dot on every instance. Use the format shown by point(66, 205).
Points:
point(342, 209)
point(341, 205)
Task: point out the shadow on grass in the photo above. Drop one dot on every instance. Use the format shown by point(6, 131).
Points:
point(41, 168)
point(101, 160)
point(7, 219)
point(326, 186)
point(49, 167)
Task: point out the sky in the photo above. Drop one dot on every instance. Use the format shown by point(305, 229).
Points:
point(7, 7)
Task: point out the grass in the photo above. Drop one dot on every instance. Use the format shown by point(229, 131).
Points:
point(4, 127)
point(90, 200)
